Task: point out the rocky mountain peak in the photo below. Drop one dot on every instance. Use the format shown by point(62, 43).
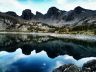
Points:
point(11, 13)
point(78, 9)
point(27, 14)
point(56, 17)
point(53, 11)
point(39, 14)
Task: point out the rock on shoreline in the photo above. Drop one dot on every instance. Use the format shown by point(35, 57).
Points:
point(90, 66)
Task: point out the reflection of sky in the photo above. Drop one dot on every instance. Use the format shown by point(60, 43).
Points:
point(40, 62)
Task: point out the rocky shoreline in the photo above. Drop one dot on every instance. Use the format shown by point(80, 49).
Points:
point(69, 36)
point(90, 66)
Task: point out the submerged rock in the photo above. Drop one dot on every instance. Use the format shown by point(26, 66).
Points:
point(67, 68)
point(90, 66)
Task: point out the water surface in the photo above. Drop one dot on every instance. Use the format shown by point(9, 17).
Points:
point(42, 53)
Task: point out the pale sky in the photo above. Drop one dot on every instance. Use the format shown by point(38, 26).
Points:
point(43, 5)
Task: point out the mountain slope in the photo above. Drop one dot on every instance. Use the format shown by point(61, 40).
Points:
point(54, 20)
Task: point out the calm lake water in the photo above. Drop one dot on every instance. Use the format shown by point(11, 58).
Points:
point(37, 53)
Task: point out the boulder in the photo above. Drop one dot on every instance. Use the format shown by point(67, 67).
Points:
point(90, 66)
point(67, 68)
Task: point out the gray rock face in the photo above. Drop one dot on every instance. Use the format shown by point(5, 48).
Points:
point(38, 15)
point(11, 13)
point(78, 16)
point(54, 17)
point(67, 68)
point(53, 11)
point(78, 10)
point(90, 66)
point(8, 20)
point(27, 14)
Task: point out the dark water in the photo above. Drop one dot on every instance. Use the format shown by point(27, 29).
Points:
point(32, 53)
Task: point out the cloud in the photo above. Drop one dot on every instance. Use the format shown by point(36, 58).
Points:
point(71, 4)
point(41, 1)
point(11, 5)
point(61, 2)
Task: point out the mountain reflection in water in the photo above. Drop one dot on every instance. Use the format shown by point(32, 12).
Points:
point(53, 46)
point(35, 62)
